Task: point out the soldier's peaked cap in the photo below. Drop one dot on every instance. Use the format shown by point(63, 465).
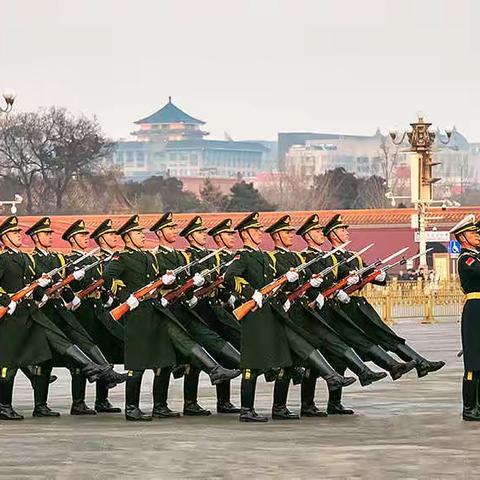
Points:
point(225, 226)
point(10, 224)
point(43, 225)
point(311, 223)
point(166, 220)
point(105, 227)
point(131, 225)
point(335, 222)
point(76, 227)
point(282, 224)
point(250, 221)
point(465, 225)
point(194, 225)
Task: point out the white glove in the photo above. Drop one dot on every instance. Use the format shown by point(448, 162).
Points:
point(315, 282)
point(342, 297)
point(44, 281)
point(257, 297)
point(43, 301)
point(192, 302)
point(164, 302)
point(132, 302)
point(287, 305)
point(198, 280)
point(352, 280)
point(320, 301)
point(231, 301)
point(292, 276)
point(75, 303)
point(168, 278)
point(79, 274)
point(11, 307)
point(382, 277)
point(109, 302)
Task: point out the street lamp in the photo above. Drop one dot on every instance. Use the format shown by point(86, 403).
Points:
point(9, 97)
point(421, 142)
point(17, 200)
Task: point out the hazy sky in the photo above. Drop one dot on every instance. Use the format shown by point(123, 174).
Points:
point(250, 67)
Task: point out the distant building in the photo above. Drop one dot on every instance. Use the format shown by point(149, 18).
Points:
point(171, 143)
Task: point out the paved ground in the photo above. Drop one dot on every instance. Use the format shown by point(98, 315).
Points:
point(409, 429)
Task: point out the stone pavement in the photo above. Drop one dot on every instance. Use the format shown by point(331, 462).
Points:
point(410, 429)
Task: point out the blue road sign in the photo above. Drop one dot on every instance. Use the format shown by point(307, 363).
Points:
point(453, 247)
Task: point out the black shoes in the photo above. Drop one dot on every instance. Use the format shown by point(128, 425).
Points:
point(336, 381)
point(44, 411)
point(134, 414)
point(400, 369)
point(220, 374)
point(312, 411)
point(193, 409)
point(369, 376)
point(281, 412)
point(338, 409)
point(471, 414)
point(104, 406)
point(162, 411)
point(227, 407)
point(424, 367)
point(81, 408)
point(250, 415)
point(8, 413)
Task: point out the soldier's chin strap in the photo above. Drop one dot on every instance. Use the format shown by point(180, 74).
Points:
point(465, 241)
point(111, 247)
point(75, 240)
point(131, 240)
point(251, 238)
point(222, 240)
point(12, 242)
point(280, 240)
point(313, 241)
point(39, 242)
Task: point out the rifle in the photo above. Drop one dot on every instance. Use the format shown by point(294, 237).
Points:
point(151, 287)
point(90, 289)
point(174, 295)
point(70, 278)
point(302, 289)
point(28, 289)
point(249, 305)
point(373, 275)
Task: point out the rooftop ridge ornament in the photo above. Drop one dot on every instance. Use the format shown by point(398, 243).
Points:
point(9, 97)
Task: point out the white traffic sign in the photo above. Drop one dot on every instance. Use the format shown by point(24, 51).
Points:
point(434, 236)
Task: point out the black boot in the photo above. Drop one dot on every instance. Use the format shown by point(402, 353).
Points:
point(309, 409)
point(229, 356)
point(160, 394)
point(385, 361)
point(423, 366)
point(334, 380)
point(79, 387)
point(365, 375)
point(247, 393)
point(90, 369)
point(471, 411)
point(41, 383)
point(224, 405)
point(271, 375)
point(102, 404)
point(6, 396)
point(179, 371)
point(113, 378)
point(280, 395)
point(29, 372)
point(132, 398)
point(335, 406)
point(216, 372)
point(191, 408)
point(297, 375)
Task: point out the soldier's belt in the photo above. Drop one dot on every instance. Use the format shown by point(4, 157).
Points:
point(473, 296)
point(95, 295)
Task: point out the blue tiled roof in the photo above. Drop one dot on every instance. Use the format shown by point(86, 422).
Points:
point(170, 113)
point(215, 145)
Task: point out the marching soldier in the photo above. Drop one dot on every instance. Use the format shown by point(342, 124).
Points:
point(152, 334)
point(467, 233)
point(305, 316)
point(90, 314)
point(59, 309)
point(185, 311)
point(267, 343)
point(364, 314)
point(27, 336)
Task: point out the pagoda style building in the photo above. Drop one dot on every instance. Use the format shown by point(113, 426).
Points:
point(172, 143)
point(169, 124)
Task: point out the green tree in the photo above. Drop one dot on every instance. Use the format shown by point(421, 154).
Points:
point(334, 189)
point(245, 198)
point(213, 200)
